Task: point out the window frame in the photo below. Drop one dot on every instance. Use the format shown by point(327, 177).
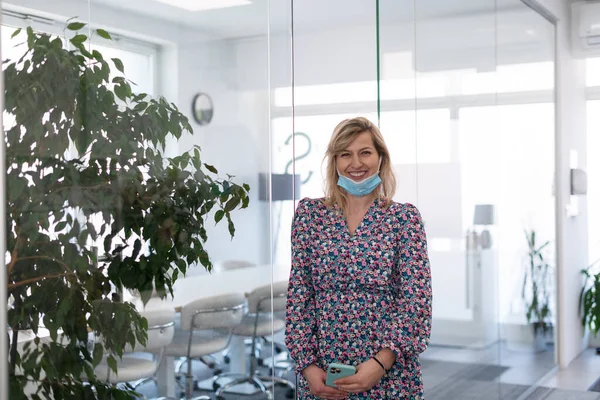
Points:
point(14, 19)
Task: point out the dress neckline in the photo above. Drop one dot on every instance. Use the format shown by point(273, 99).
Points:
point(374, 203)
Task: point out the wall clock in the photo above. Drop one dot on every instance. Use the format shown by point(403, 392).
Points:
point(202, 108)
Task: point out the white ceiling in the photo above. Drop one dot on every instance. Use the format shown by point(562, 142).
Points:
point(308, 15)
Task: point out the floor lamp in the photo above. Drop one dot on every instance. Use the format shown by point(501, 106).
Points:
point(484, 215)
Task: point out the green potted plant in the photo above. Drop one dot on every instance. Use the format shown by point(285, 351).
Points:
point(589, 300)
point(85, 168)
point(535, 291)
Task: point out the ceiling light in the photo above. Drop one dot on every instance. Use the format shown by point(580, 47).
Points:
point(202, 5)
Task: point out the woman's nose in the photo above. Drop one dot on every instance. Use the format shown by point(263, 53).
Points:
point(356, 163)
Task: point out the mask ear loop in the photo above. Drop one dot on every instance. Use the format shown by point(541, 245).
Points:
point(380, 189)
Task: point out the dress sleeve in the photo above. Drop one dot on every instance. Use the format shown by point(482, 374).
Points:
point(408, 333)
point(300, 306)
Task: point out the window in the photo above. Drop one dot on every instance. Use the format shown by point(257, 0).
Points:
point(592, 69)
point(138, 58)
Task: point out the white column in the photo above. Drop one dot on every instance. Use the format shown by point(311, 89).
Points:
point(571, 232)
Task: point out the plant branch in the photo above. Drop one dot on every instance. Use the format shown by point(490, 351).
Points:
point(15, 338)
point(62, 264)
point(101, 185)
point(15, 252)
point(36, 279)
point(13, 352)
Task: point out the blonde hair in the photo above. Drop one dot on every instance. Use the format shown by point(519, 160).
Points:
point(343, 134)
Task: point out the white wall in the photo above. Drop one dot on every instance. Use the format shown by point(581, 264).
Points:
point(572, 232)
point(235, 142)
point(349, 54)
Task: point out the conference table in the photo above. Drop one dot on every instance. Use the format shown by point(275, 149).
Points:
point(203, 285)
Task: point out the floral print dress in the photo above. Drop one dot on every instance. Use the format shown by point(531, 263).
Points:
point(350, 296)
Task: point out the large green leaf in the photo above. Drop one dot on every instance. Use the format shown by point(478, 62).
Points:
point(102, 33)
point(78, 39)
point(119, 64)
point(75, 26)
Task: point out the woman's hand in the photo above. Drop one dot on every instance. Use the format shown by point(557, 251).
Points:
point(315, 377)
point(368, 374)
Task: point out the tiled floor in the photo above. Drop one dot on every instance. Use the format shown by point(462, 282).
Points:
point(499, 372)
point(579, 375)
point(527, 367)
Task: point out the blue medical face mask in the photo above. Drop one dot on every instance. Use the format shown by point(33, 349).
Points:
point(360, 188)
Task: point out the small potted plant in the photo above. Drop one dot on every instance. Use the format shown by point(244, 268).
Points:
point(536, 290)
point(589, 301)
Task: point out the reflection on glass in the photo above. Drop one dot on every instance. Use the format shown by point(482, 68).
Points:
point(442, 74)
point(593, 165)
point(114, 213)
point(438, 79)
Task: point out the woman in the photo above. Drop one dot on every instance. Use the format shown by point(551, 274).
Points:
point(360, 285)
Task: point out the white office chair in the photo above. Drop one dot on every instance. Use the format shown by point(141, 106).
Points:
point(206, 326)
point(136, 366)
point(257, 324)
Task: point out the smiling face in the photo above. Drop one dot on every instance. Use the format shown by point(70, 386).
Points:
point(359, 160)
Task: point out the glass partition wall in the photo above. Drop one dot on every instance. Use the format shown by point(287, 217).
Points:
point(483, 170)
point(526, 224)
point(100, 198)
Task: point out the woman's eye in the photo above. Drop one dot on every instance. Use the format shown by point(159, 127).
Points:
point(344, 155)
point(366, 153)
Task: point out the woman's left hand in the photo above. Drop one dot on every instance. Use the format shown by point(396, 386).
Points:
point(368, 374)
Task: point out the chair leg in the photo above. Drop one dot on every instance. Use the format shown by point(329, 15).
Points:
point(258, 383)
point(209, 361)
point(287, 383)
point(189, 381)
point(142, 381)
point(275, 380)
point(180, 363)
point(231, 384)
point(222, 375)
point(287, 370)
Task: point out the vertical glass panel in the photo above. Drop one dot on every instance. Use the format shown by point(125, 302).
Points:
point(334, 77)
point(128, 150)
point(455, 49)
point(524, 195)
point(593, 165)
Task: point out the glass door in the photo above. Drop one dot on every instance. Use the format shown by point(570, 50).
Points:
point(467, 101)
point(526, 222)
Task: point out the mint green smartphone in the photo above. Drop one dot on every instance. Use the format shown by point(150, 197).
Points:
point(337, 371)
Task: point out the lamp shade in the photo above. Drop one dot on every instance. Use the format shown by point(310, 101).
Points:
point(484, 214)
point(283, 186)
